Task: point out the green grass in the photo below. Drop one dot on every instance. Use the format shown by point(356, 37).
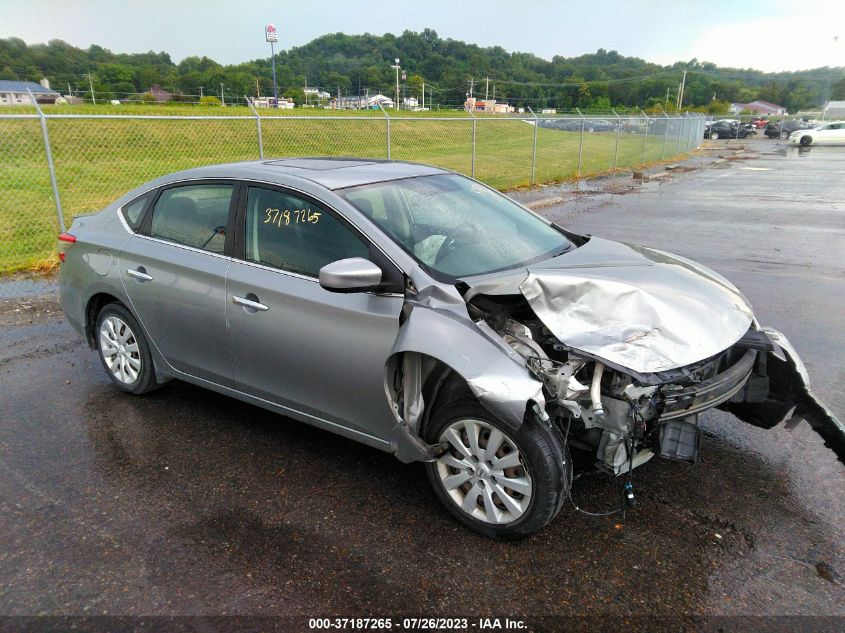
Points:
point(98, 160)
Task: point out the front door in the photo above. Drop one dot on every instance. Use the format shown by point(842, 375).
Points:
point(294, 343)
point(174, 272)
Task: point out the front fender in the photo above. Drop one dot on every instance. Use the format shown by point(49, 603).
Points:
point(495, 374)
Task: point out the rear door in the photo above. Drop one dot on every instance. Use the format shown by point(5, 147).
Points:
point(174, 272)
point(294, 343)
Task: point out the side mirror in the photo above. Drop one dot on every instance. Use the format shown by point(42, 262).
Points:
point(350, 275)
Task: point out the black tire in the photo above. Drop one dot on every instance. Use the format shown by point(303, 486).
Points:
point(714, 135)
point(806, 141)
point(784, 135)
point(145, 381)
point(543, 458)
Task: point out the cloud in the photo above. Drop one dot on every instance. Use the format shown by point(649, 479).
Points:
point(803, 39)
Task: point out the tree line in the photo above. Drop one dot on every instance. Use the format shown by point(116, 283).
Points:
point(450, 69)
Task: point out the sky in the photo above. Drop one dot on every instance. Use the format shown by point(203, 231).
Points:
point(770, 35)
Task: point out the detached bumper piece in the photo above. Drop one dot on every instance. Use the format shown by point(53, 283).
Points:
point(779, 385)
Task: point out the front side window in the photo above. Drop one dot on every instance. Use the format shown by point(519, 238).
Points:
point(456, 226)
point(290, 233)
point(193, 215)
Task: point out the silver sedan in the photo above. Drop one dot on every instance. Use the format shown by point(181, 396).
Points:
point(425, 314)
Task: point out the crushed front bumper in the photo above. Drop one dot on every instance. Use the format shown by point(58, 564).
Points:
point(788, 392)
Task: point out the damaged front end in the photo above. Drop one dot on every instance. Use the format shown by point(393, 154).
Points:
point(623, 356)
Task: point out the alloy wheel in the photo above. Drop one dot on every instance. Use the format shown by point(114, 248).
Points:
point(484, 473)
point(120, 351)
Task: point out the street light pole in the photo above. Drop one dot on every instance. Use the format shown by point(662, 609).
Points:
point(396, 67)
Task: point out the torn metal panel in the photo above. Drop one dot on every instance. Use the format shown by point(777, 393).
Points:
point(499, 379)
point(789, 391)
point(637, 308)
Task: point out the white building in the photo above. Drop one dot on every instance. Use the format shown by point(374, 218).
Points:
point(834, 109)
point(15, 92)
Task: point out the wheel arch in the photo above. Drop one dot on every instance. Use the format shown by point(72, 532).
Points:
point(93, 307)
point(436, 357)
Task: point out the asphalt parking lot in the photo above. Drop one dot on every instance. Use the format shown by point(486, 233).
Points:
point(184, 502)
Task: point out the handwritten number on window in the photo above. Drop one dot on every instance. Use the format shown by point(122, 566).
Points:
point(280, 218)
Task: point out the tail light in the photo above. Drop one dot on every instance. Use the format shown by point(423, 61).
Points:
point(65, 237)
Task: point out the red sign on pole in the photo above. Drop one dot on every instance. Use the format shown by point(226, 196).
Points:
point(270, 33)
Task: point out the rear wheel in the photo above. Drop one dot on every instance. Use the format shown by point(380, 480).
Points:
point(714, 135)
point(499, 482)
point(124, 350)
point(784, 135)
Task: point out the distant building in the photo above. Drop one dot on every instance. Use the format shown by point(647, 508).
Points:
point(410, 102)
point(490, 106)
point(267, 102)
point(160, 95)
point(362, 102)
point(15, 92)
point(316, 93)
point(834, 109)
point(757, 107)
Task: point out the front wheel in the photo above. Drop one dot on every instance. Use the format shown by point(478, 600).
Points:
point(806, 141)
point(501, 483)
point(124, 350)
point(784, 135)
point(714, 135)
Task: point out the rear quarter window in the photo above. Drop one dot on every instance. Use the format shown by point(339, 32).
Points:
point(133, 212)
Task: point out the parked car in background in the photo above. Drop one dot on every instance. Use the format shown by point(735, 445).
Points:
point(424, 314)
point(782, 129)
point(832, 133)
point(726, 128)
point(759, 122)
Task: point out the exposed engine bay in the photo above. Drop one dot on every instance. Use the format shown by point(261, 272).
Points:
point(606, 411)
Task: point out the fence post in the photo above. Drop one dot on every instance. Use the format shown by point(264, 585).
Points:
point(581, 142)
point(472, 158)
point(616, 147)
point(387, 118)
point(258, 125)
point(645, 137)
point(678, 145)
point(534, 148)
point(50, 164)
point(665, 136)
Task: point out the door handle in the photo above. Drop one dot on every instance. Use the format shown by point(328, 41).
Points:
point(140, 274)
point(249, 304)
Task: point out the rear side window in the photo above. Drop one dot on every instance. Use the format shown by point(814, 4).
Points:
point(194, 215)
point(133, 212)
point(290, 233)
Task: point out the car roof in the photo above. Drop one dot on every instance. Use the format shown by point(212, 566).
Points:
point(331, 173)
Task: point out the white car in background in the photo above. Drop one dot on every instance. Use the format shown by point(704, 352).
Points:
point(828, 134)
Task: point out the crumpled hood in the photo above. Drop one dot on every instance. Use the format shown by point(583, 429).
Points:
point(638, 308)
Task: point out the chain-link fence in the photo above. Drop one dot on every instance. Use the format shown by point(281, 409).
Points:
point(56, 166)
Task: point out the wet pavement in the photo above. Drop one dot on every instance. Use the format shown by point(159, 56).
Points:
point(184, 502)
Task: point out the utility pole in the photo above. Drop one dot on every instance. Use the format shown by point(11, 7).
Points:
point(681, 95)
point(257, 89)
point(201, 87)
point(423, 101)
point(222, 95)
point(91, 85)
point(69, 91)
point(667, 99)
point(471, 82)
point(306, 91)
point(486, 88)
point(396, 68)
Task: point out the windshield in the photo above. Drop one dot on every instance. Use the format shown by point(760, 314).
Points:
point(455, 226)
